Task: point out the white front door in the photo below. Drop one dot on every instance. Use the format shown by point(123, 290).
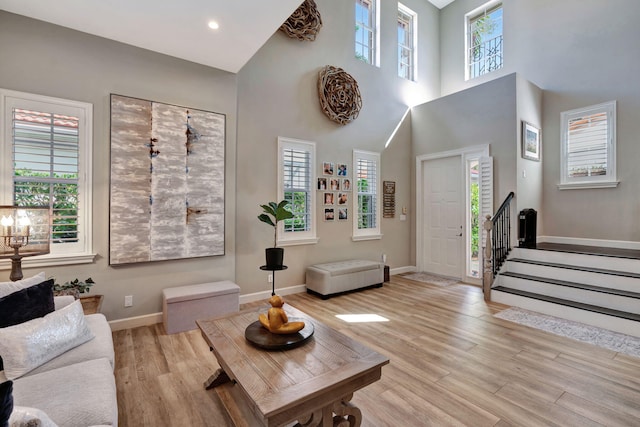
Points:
point(442, 222)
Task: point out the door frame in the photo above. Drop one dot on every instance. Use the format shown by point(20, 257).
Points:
point(464, 153)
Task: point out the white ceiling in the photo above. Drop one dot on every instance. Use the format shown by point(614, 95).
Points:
point(176, 28)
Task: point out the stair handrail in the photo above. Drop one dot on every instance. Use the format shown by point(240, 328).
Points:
point(498, 243)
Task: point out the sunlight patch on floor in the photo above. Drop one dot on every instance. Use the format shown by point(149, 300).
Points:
point(361, 318)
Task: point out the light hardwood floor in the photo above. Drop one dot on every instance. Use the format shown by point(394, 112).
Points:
point(452, 363)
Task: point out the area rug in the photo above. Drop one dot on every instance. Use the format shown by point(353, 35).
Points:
point(615, 341)
point(430, 278)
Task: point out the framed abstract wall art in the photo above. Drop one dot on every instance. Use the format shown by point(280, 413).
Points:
point(167, 182)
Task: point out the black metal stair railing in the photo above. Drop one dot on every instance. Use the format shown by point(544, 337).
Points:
point(501, 236)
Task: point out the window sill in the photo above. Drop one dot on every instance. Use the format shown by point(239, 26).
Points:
point(586, 185)
point(366, 237)
point(309, 241)
point(50, 260)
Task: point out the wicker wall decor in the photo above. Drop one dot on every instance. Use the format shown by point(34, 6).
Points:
point(339, 95)
point(304, 23)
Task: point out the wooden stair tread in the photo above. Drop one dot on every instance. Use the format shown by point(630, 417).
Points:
point(592, 288)
point(589, 250)
point(568, 303)
point(576, 267)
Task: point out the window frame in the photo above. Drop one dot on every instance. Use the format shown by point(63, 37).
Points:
point(289, 238)
point(61, 254)
point(610, 179)
point(374, 50)
point(485, 9)
point(374, 232)
point(413, 48)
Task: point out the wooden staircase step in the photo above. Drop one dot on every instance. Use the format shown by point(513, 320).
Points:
point(589, 250)
point(567, 303)
point(576, 267)
point(575, 285)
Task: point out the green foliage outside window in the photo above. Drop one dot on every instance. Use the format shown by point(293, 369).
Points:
point(298, 207)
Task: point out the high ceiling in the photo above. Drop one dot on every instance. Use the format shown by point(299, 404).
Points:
point(176, 28)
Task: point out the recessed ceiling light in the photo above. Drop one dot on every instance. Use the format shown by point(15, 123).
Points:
point(213, 25)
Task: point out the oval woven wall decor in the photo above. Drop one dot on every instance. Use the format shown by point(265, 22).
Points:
point(304, 23)
point(339, 95)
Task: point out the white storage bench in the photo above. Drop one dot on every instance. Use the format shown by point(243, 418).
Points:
point(183, 305)
point(338, 277)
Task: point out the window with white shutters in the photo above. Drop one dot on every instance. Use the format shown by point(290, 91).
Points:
point(46, 161)
point(588, 147)
point(296, 178)
point(366, 166)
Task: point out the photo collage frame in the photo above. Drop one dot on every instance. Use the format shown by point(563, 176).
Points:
point(335, 184)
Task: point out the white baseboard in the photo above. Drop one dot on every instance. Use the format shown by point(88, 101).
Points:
point(620, 244)
point(137, 321)
point(400, 270)
point(265, 295)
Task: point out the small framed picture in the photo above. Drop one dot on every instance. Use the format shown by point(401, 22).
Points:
point(346, 184)
point(329, 214)
point(343, 198)
point(334, 184)
point(342, 214)
point(342, 169)
point(531, 142)
point(322, 183)
point(327, 168)
point(328, 198)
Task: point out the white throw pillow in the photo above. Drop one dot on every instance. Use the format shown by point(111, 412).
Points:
point(23, 416)
point(7, 288)
point(28, 345)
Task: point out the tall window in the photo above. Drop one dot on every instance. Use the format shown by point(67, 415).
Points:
point(296, 178)
point(366, 33)
point(407, 30)
point(366, 166)
point(484, 40)
point(46, 161)
point(589, 146)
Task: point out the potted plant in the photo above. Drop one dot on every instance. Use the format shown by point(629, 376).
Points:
point(272, 214)
point(74, 287)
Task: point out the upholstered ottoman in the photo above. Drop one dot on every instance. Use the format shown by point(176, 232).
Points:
point(183, 305)
point(338, 277)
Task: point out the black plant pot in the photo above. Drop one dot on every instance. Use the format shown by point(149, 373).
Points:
point(274, 258)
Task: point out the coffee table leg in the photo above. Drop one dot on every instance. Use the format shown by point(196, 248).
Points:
point(219, 377)
point(346, 413)
point(342, 413)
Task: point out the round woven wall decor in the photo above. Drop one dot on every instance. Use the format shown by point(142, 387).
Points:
point(339, 95)
point(304, 23)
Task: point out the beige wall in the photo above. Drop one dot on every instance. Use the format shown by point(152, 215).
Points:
point(50, 60)
point(277, 96)
point(580, 53)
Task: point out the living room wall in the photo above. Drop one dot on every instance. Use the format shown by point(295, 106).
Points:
point(277, 96)
point(580, 53)
point(46, 59)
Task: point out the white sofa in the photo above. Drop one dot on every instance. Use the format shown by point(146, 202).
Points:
point(335, 278)
point(77, 388)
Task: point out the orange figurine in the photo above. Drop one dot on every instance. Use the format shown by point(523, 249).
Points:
point(276, 320)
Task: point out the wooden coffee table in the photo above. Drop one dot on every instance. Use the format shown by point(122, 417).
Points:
point(311, 384)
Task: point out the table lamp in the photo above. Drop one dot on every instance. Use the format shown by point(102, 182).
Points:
point(24, 231)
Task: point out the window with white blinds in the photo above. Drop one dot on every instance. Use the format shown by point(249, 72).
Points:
point(46, 150)
point(366, 166)
point(588, 146)
point(296, 178)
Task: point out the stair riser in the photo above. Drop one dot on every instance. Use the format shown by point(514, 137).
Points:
point(630, 284)
point(616, 302)
point(593, 261)
point(616, 324)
